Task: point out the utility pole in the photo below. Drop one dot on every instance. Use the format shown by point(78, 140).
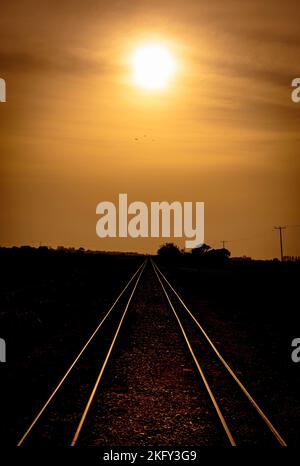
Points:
point(280, 228)
point(223, 243)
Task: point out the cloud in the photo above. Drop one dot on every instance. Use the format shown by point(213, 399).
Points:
point(274, 75)
point(64, 62)
point(272, 36)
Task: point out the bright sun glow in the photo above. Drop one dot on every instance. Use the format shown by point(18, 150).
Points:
point(153, 66)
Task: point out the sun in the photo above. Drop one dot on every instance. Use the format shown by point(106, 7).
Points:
point(153, 66)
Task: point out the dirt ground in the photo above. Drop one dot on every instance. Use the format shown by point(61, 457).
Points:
point(151, 394)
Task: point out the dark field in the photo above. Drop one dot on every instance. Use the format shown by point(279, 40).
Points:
point(51, 301)
point(251, 311)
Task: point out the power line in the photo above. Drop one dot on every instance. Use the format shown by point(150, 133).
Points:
point(259, 236)
point(280, 228)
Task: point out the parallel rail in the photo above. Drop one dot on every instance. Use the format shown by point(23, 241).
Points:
point(175, 301)
point(137, 275)
point(162, 279)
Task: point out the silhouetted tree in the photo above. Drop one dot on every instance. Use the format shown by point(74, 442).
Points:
point(217, 256)
point(169, 251)
point(205, 255)
point(201, 250)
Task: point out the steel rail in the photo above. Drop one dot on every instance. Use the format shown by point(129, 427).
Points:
point(60, 383)
point(94, 390)
point(209, 390)
point(264, 417)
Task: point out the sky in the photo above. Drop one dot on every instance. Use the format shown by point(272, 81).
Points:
point(76, 130)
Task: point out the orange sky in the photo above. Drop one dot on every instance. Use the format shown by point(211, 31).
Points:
point(225, 132)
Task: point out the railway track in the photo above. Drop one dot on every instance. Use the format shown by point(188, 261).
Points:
point(58, 419)
point(65, 389)
point(175, 300)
